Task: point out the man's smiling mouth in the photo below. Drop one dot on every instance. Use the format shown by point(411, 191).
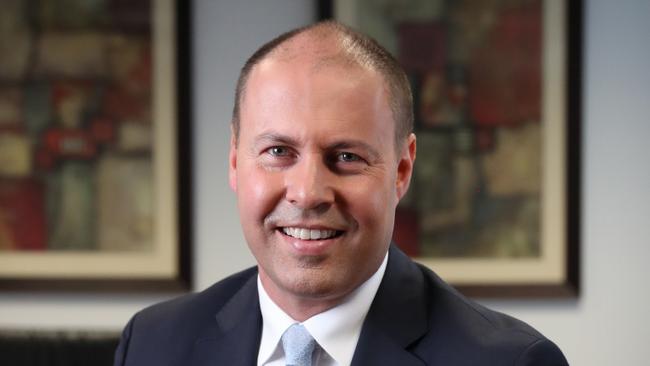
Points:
point(310, 234)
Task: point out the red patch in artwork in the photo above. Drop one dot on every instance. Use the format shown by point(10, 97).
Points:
point(505, 74)
point(22, 208)
point(406, 231)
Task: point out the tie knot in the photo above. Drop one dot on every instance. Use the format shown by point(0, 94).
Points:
point(298, 346)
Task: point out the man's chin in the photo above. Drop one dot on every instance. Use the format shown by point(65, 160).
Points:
point(315, 285)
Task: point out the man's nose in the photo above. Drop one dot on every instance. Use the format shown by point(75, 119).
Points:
point(309, 184)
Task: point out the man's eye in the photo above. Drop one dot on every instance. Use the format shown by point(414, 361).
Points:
point(348, 157)
point(278, 151)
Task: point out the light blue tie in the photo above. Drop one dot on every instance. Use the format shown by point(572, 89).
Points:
point(298, 346)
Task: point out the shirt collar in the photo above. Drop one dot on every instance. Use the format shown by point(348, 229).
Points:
point(274, 322)
point(336, 330)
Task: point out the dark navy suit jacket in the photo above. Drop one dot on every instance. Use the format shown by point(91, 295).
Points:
point(415, 319)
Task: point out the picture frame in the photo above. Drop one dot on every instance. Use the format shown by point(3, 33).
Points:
point(494, 203)
point(95, 195)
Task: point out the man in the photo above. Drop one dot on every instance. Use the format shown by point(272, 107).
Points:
point(321, 152)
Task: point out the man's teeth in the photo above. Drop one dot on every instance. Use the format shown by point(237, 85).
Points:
point(308, 234)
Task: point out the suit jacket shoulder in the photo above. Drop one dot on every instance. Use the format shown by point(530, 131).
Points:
point(189, 329)
point(418, 319)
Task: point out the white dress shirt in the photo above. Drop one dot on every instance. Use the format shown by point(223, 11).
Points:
point(336, 330)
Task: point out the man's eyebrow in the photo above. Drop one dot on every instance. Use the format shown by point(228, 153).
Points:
point(275, 138)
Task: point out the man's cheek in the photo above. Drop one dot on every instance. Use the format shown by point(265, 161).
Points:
point(374, 200)
point(261, 185)
point(259, 189)
point(262, 192)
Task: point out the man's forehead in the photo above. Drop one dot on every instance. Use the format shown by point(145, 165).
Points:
point(278, 75)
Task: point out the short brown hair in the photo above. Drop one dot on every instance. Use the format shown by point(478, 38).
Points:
point(359, 49)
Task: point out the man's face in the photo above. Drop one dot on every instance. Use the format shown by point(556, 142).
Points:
point(317, 176)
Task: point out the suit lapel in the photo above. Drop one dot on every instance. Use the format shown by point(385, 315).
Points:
point(234, 337)
point(397, 317)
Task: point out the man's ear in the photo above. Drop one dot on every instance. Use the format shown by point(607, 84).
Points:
point(232, 161)
point(405, 166)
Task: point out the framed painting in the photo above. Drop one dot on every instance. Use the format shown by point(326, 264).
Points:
point(94, 145)
point(494, 201)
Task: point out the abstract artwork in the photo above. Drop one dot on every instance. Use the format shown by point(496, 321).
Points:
point(84, 131)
